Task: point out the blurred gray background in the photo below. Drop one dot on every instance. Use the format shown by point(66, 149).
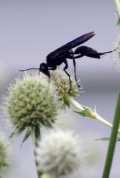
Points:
point(29, 30)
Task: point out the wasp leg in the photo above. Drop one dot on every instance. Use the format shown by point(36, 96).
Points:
point(65, 70)
point(71, 56)
point(75, 73)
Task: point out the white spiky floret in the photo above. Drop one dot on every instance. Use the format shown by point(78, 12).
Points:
point(31, 101)
point(58, 153)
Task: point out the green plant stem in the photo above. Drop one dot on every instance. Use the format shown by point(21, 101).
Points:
point(112, 142)
point(36, 139)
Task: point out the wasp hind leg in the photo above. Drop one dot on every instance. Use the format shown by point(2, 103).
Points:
point(67, 73)
point(75, 74)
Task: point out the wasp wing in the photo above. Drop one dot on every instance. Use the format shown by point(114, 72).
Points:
point(77, 41)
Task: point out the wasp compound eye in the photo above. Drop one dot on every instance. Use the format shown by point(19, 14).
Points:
point(44, 69)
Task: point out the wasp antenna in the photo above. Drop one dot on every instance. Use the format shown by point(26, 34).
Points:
point(22, 70)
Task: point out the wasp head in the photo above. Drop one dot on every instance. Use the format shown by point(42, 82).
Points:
point(44, 69)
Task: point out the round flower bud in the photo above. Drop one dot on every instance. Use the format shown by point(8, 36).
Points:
point(3, 154)
point(58, 153)
point(62, 85)
point(31, 102)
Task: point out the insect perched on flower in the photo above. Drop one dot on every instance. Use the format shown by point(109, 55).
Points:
point(60, 56)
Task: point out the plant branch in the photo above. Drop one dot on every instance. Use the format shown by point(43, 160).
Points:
point(88, 112)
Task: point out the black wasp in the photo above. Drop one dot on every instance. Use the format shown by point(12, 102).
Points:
point(61, 54)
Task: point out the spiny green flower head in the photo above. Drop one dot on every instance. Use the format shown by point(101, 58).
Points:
point(62, 85)
point(58, 153)
point(3, 154)
point(31, 102)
